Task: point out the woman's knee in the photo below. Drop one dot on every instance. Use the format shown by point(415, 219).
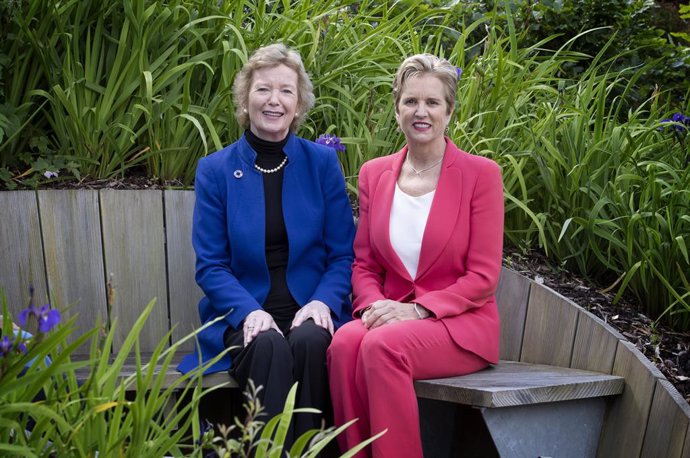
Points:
point(347, 339)
point(309, 336)
point(380, 345)
point(270, 344)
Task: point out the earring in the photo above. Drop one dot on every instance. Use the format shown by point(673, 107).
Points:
point(445, 131)
point(244, 110)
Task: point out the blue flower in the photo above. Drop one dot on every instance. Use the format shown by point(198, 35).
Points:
point(679, 120)
point(330, 140)
point(47, 318)
point(7, 345)
point(458, 72)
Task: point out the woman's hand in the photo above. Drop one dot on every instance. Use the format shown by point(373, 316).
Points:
point(317, 311)
point(387, 311)
point(256, 322)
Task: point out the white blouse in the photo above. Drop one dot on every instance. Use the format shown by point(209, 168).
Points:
point(408, 219)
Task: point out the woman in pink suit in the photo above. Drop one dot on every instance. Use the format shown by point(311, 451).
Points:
point(427, 261)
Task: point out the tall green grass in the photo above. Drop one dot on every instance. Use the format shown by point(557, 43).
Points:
point(601, 190)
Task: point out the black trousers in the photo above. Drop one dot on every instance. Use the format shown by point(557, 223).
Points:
point(276, 363)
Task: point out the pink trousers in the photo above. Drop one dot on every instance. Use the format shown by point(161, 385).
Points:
point(371, 375)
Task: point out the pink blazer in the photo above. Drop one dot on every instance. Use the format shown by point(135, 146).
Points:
point(462, 247)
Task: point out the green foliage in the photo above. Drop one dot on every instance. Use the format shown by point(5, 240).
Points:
point(252, 437)
point(121, 85)
point(604, 197)
point(52, 405)
point(46, 411)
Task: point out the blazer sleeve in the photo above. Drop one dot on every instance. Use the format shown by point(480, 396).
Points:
point(338, 233)
point(483, 260)
point(213, 254)
point(367, 273)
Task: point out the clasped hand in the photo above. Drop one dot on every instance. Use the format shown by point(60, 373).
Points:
point(387, 311)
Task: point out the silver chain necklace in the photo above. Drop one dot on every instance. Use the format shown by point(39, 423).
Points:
point(274, 169)
point(419, 172)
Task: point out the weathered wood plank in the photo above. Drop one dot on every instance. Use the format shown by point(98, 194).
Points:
point(668, 423)
point(71, 227)
point(595, 344)
point(511, 298)
point(513, 384)
point(171, 374)
point(550, 328)
point(21, 250)
point(184, 292)
point(134, 247)
point(624, 426)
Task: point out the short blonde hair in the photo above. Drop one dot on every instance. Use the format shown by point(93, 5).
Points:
point(272, 56)
point(427, 64)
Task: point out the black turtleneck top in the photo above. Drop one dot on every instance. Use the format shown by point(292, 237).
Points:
point(279, 302)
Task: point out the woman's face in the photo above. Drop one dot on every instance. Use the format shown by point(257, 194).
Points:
point(272, 102)
point(422, 111)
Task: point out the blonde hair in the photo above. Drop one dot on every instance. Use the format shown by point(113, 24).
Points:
point(427, 64)
point(272, 56)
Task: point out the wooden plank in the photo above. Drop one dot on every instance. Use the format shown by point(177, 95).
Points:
point(171, 374)
point(71, 227)
point(134, 249)
point(21, 248)
point(625, 423)
point(550, 328)
point(595, 344)
point(511, 298)
point(514, 384)
point(668, 423)
point(184, 293)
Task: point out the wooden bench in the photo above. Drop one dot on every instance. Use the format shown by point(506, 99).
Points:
point(112, 251)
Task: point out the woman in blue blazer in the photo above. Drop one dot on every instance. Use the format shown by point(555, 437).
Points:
point(272, 232)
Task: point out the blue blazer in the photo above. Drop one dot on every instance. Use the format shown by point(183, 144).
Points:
point(228, 236)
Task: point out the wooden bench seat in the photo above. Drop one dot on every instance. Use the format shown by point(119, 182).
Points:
point(511, 384)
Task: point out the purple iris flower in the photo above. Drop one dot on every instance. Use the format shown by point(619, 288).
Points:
point(330, 140)
point(683, 122)
point(47, 318)
point(458, 72)
point(7, 345)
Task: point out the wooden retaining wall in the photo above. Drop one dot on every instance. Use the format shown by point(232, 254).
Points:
point(113, 250)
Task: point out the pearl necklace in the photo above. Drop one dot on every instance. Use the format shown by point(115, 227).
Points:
point(419, 172)
point(274, 169)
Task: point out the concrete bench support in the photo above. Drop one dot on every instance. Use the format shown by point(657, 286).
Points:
point(562, 429)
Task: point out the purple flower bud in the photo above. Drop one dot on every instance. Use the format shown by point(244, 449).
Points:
point(5, 346)
point(330, 140)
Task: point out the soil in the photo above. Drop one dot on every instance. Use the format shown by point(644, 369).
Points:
point(669, 350)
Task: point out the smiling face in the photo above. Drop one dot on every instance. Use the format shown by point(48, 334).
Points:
point(272, 102)
point(422, 110)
